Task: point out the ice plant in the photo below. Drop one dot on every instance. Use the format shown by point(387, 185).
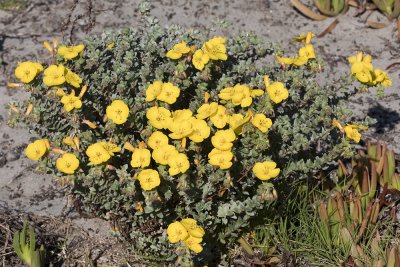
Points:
point(118, 112)
point(67, 163)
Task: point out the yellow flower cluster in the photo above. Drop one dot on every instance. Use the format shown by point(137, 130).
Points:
point(362, 69)
point(165, 92)
point(188, 232)
point(55, 75)
point(240, 95)
point(305, 53)
point(213, 49)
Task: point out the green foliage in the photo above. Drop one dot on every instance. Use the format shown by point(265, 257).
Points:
point(121, 65)
point(27, 251)
point(355, 223)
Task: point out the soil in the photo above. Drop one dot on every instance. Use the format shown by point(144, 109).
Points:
point(23, 191)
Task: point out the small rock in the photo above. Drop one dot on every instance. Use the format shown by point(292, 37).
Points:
point(6, 136)
point(12, 155)
point(3, 160)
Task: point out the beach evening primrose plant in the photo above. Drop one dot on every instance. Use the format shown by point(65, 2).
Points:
point(177, 135)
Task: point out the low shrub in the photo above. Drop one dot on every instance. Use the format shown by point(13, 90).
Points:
point(175, 136)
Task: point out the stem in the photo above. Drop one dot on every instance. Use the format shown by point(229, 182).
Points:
point(246, 246)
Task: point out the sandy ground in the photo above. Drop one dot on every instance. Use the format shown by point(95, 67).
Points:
point(22, 33)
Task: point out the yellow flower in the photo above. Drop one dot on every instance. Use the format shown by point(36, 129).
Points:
point(97, 154)
point(157, 140)
point(179, 163)
point(140, 158)
point(241, 96)
point(67, 163)
point(111, 147)
point(257, 92)
point(200, 59)
point(71, 101)
point(380, 76)
point(193, 243)
point(192, 227)
point(300, 61)
point(180, 129)
point(149, 179)
point(266, 170)
point(284, 60)
point(37, 149)
point(161, 155)
point(277, 92)
point(220, 118)
point(223, 139)
point(54, 75)
point(207, 110)
point(226, 93)
point(153, 90)
point(159, 117)
point(215, 48)
point(261, 122)
point(336, 123)
point(200, 130)
point(178, 50)
point(360, 61)
point(70, 52)
point(307, 51)
point(27, 71)
point(304, 37)
point(236, 122)
point(181, 115)
point(220, 158)
point(72, 142)
point(72, 78)
point(176, 232)
point(118, 112)
point(169, 93)
point(352, 133)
